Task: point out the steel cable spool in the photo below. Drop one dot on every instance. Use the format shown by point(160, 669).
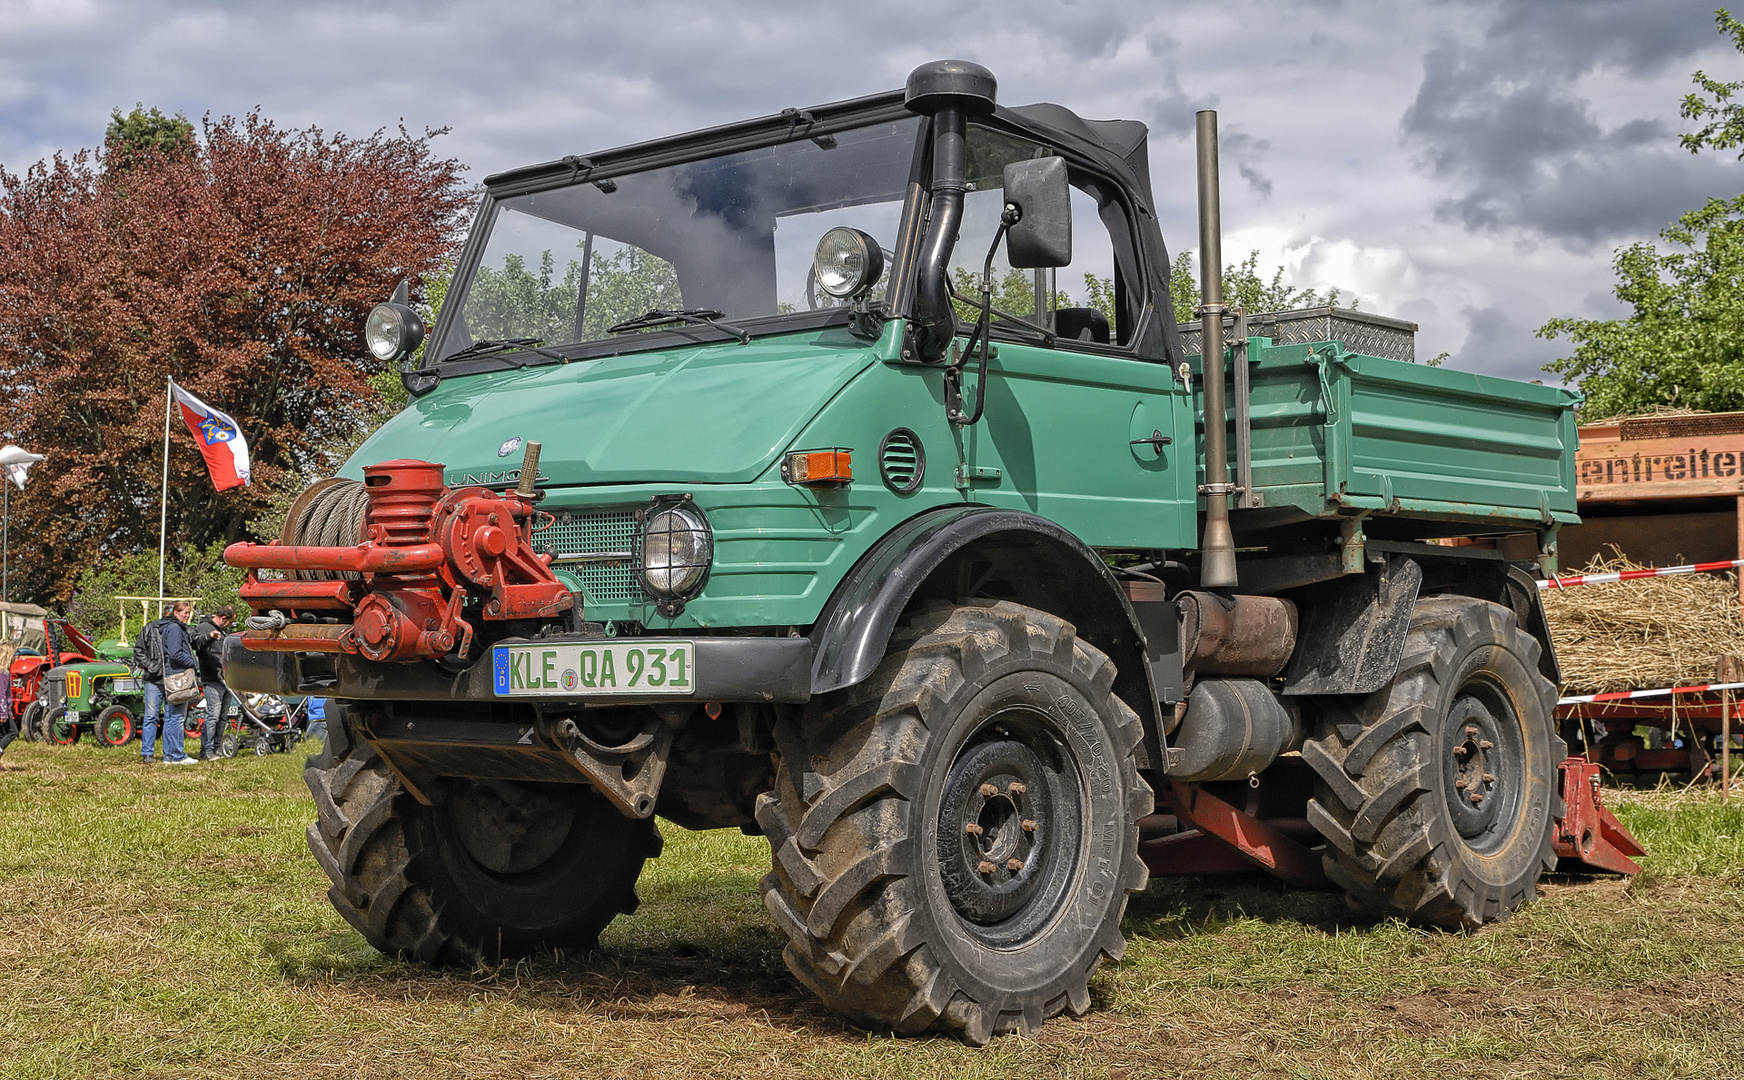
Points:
point(329, 513)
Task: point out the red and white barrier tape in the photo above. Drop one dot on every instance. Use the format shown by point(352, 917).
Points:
point(1667, 691)
point(1631, 575)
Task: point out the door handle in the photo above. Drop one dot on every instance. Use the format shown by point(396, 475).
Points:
point(1157, 440)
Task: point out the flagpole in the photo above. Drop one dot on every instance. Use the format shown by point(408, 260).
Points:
point(163, 513)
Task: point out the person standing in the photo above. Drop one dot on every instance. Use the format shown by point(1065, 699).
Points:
point(163, 649)
point(209, 650)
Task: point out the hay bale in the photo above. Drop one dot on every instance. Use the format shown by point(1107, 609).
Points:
point(1664, 631)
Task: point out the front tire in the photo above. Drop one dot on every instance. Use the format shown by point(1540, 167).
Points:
point(955, 838)
point(58, 729)
point(495, 870)
point(1437, 794)
point(30, 726)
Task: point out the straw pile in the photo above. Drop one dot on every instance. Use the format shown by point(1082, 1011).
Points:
point(1665, 631)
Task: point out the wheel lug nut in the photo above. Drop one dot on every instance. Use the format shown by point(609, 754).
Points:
point(988, 790)
point(972, 829)
point(1486, 745)
point(1489, 778)
point(1459, 785)
point(1013, 865)
point(986, 867)
point(1461, 751)
point(1017, 788)
point(1477, 797)
point(1029, 825)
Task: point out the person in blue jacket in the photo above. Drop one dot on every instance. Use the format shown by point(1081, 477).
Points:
point(163, 649)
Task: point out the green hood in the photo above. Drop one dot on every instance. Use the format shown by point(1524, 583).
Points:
point(713, 414)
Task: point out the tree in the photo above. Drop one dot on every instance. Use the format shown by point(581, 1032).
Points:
point(243, 269)
point(1243, 287)
point(1683, 342)
point(145, 135)
point(1724, 129)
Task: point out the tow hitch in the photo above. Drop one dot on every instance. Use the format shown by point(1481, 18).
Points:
point(402, 594)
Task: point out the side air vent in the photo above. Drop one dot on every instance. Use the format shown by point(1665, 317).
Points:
point(902, 461)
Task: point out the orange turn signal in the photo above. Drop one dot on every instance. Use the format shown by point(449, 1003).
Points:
point(817, 467)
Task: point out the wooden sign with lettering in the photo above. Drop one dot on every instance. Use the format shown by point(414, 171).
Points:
point(1652, 457)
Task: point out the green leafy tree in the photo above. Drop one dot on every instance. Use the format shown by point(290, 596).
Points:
point(190, 571)
point(1722, 118)
point(1682, 344)
point(518, 301)
point(1244, 287)
point(131, 140)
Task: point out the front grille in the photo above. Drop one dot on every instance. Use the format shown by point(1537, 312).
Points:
point(54, 689)
point(602, 547)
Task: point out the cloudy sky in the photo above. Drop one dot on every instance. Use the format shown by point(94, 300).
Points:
point(1467, 164)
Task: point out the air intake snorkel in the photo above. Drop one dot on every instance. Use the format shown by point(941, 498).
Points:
point(950, 91)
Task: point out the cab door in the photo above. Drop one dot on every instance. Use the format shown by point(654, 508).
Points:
point(1080, 429)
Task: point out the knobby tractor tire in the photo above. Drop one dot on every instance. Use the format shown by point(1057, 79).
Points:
point(896, 912)
point(57, 729)
point(30, 725)
point(114, 726)
point(495, 870)
point(1437, 794)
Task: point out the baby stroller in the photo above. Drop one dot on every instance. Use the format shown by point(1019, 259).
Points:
point(271, 723)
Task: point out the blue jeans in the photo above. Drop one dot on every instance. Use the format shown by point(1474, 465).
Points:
point(156, 706)
point(218, 699)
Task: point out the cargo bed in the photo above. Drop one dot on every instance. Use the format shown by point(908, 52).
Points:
point(1421, 451)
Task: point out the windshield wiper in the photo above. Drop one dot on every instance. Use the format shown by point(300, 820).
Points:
point(492, 346)
point(698, 316)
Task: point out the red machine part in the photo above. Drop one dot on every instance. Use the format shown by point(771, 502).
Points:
point(428, 549)
point(1214, 837)
point(1587, 831)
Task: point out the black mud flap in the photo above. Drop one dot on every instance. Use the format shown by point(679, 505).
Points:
point(1353, 630)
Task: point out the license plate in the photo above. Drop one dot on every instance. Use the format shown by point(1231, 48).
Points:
point(595, 669)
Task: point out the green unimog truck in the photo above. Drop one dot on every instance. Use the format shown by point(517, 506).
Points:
point(726, 496)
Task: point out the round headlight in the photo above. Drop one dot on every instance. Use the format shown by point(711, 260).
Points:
point(393, 331)
point(676, 551)
point(848, 262)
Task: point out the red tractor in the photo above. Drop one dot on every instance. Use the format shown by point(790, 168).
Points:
point(42, 641)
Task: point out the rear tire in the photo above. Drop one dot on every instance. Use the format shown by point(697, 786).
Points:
point(1437, 794)
point(30, 725)
point(495, 870)
point(898, 913)
point(114, 726)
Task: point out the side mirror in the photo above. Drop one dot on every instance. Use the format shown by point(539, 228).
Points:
point(1042, 235)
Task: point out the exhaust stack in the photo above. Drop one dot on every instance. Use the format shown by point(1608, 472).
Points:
point(1217, 549)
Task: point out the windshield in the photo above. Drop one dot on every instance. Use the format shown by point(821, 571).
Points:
point(732, 235)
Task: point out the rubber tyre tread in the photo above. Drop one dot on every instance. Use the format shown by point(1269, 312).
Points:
point(1391, 843)
point(30, 724)
point(373, 841)
point(48, 728)
point(848, 910)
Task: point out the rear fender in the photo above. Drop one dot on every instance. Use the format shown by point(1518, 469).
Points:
point(961, 552)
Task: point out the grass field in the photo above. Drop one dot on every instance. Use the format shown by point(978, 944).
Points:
point(170, 922)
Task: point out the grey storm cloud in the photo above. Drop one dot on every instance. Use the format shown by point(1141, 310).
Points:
point(1501, 120)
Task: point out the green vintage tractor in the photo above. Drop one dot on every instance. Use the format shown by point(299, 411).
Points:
point(105, 697)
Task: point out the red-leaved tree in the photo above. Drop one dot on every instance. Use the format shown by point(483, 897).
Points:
point(242, 264)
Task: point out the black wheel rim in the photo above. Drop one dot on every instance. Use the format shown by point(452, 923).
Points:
point(1009, 827)
point(1483, 765)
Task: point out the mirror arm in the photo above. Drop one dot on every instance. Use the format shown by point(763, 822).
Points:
point(982, 334)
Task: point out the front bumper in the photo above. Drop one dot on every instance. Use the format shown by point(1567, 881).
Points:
point(764, 669)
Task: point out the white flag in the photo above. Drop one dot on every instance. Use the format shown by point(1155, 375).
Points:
point(18, 462)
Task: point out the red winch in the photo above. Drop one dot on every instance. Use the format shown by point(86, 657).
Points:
point(426, 548)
